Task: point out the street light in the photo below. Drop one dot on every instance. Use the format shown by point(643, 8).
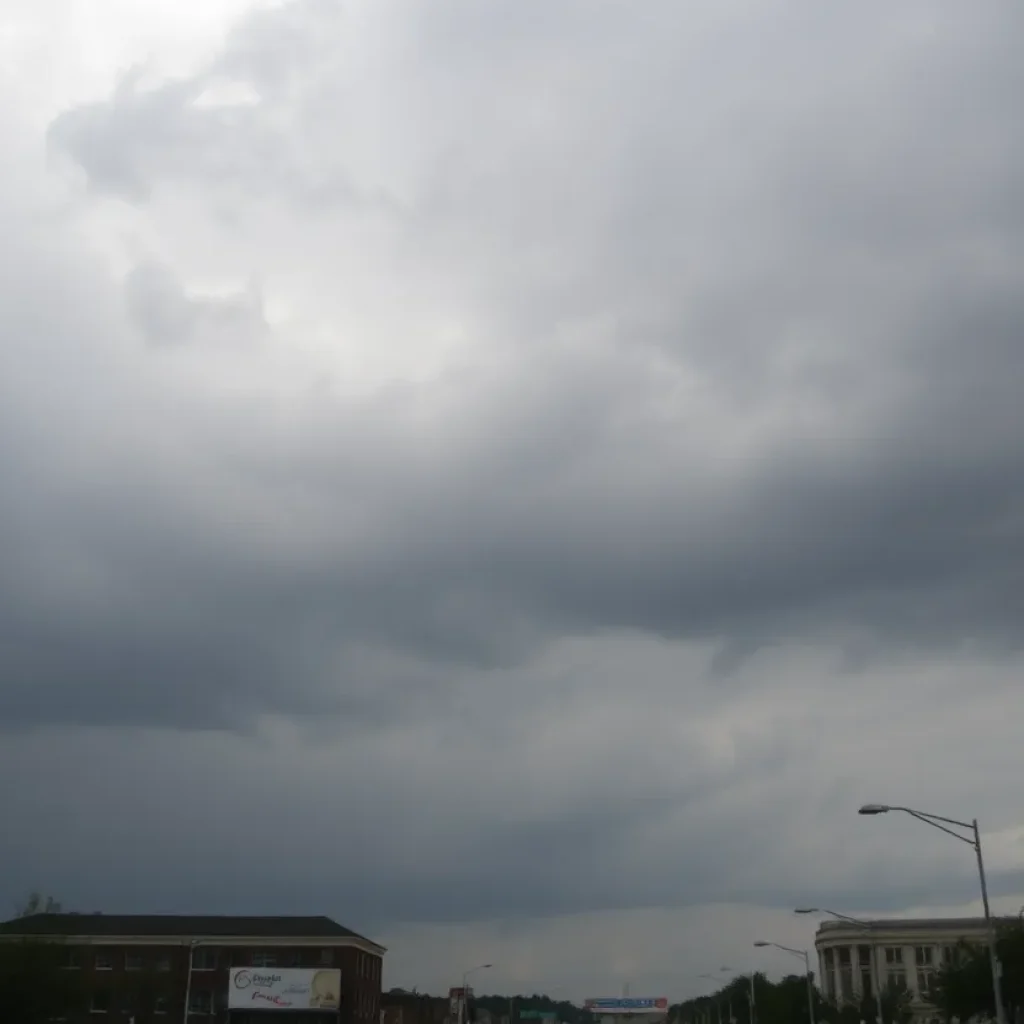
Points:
point(465, 988)
point(974, 841)
point(193, 943)
point(717, 1005)
point(806, 957)
point(753, 1007)
point(876, 972)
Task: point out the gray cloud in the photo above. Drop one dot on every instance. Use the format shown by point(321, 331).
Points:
point(159, 305)
point(736, 303)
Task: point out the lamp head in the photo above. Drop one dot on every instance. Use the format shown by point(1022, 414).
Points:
point(762, 944)
point(807, 910)
point(874, 809)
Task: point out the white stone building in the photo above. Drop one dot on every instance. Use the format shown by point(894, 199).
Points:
point(905, 955)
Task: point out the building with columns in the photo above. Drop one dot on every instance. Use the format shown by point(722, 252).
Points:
point(904, 955)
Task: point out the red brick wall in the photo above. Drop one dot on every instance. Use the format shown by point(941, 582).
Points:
point(134, 992)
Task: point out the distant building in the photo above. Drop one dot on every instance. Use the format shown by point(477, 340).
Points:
point(399, 1007)
point(905, 955)
point(146, 967)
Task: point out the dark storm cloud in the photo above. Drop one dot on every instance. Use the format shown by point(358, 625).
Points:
point(746, 309)
point(866, 292)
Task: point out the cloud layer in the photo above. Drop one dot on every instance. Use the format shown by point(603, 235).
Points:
point(524, 463)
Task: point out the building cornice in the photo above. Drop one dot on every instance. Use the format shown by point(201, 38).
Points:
point(246, 941)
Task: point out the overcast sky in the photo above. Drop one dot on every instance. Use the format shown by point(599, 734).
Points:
point(512, 476)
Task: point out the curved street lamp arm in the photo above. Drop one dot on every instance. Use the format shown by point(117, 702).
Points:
point(934, 819)
point(846, 917)
point(802, 953)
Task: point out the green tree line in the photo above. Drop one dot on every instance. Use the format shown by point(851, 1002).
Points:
point(782, 1002)
point(963, 989)
point(514, 1007)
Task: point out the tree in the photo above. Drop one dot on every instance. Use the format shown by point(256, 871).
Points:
point(963, 988)
point(784, 1002)
point(38, 904)
point(33, 987)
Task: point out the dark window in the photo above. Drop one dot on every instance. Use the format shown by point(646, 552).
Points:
point(844, 956)
point(923, 955)
point(295, 958)
point(200, 1001)
point(100, 1002)
point(866, 987)
point(104, 960)
point(262, 958)
point(325, 957)
point(864, 955)
point(71, 958)
point(163, 962)
point(894, 954)
point(829, 959)
point(204, 959)
point(133, 961)
point(160, 1004)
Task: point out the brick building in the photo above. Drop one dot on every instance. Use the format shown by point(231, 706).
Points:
point(141, 969)
point(399, 1007)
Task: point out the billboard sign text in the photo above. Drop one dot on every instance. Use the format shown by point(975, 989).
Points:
point(264, 988)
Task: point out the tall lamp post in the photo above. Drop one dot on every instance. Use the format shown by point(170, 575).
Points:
point(717, 1005)
point(973, 839)
point(806, 957)
point(876, 974)
point(188, 978)
point(465, 989)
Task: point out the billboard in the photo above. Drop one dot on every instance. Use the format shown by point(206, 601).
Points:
point(658, 1004)
point(260, 988)
point(456, 1000)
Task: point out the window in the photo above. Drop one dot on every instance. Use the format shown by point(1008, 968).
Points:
point(71, 959)
point(262, 958)
point(846, 983)
point(163, 962)
point(923, 956)
point(844, 956)
point(950, 956)
point(866, 987)
point(295, 958)
point(897, 981)
point(864, 956)
point(100, 1002)
point(925, 983)
point(326, 959)
point(160, 1004)
point(132, 962)
point(104, 961)
point(204, 959)
point(200, 1001)
point(894, 954)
